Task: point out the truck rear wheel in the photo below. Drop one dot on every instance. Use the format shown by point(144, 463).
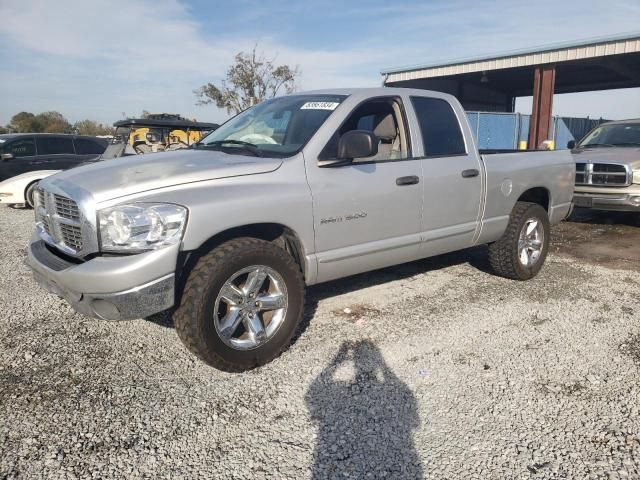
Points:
point(241, 304)
point(521, 251)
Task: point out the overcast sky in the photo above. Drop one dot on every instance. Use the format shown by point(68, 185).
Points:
point(99, 59)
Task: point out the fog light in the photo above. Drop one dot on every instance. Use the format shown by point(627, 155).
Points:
point(105, 310)
point(635, 200)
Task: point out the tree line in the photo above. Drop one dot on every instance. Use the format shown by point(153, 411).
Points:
point(53, 122)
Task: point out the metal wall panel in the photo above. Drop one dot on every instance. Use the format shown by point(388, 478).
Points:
point(507, 130)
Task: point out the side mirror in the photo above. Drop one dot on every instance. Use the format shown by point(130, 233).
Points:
point(571, 145)
point(6, 157)
point(357, 144)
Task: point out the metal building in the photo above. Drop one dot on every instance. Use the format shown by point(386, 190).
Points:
point(492, 83)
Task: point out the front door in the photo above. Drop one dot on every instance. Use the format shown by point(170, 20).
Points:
point(367, 214)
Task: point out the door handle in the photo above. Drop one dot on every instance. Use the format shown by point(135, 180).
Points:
point(472, 172)
point(410, 180)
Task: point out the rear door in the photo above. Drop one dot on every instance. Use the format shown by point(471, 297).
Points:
point(452, 176)
point(23, 150)
point(56, 152)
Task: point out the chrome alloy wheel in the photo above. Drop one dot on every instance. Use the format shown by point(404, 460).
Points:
point(250, 307)
point(531, 242)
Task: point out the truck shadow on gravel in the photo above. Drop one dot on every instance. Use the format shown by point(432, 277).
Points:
point(365, 416)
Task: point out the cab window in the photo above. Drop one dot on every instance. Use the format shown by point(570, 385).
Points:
point(381, 116)
point(439, 126)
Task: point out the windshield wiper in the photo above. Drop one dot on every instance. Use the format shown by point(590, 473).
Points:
point(250, 147)
point(597, 145)
point(628, 144)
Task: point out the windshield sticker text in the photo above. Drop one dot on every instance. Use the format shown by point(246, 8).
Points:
point(319, 106)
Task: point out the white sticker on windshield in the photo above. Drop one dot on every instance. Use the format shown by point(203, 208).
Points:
point(319, 106)
point(2, 140)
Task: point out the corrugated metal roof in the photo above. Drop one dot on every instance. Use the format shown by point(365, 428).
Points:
point(559, 52)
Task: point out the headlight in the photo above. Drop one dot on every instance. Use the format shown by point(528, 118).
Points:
point(141, 226)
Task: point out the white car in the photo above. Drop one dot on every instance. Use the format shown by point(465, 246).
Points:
point(19, 189)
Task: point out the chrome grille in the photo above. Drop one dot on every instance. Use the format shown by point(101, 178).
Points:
point(60, 223)
point(46, 225)
point(603, 174)
point(71, 236)
point(40, 194)
point(67, 208)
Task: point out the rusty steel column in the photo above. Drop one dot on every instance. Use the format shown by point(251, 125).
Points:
point(544, 80)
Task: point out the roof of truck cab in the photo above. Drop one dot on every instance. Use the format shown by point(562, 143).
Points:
point(372, 92)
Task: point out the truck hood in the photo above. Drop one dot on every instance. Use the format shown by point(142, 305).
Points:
point(627, 155)
point(124, 176)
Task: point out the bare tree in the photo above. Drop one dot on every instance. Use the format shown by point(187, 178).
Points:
point(252, 79)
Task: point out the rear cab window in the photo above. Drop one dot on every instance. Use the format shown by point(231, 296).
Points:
point(52, 145)
point(439, 127)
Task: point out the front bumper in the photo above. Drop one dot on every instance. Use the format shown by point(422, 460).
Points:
point(620, 202)
point(146, 282)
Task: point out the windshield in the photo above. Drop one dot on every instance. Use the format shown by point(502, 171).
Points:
point(117, 144)
point(278, 127)
point(617, 135)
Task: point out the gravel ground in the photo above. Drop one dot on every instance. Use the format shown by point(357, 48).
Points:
point(435, 369)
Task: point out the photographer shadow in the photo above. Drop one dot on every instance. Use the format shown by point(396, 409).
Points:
point(365, 416)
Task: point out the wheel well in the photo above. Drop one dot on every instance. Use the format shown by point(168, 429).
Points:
point(539, 195)
point(271, 232)
point(26, 189)
point(31, 183)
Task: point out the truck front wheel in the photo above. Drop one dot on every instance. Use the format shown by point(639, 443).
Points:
point(241, 304)
point(520, 252)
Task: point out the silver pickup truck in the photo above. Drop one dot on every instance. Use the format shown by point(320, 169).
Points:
point(608, 167)
point(295, 191)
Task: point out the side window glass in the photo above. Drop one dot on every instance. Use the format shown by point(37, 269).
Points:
point(439, 126)
point(84, 146)
point(51, 145)
point(23, 147)
point(379, 116)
